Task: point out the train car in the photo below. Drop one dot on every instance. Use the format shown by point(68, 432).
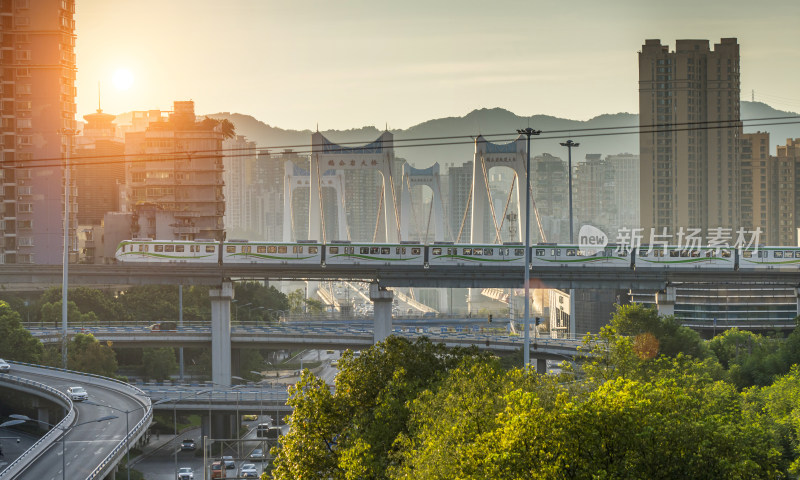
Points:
point(347, 253)
point(770, 258)
point(145, 250)
point(682, 257)
point(244, 251)
point(448, 254)
point(573, 256)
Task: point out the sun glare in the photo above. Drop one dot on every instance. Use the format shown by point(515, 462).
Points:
point(123, 79)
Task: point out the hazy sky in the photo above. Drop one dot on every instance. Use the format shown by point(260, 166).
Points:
point(346, 64)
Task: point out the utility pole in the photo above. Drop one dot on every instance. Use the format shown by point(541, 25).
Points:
point(570, 144)
point(68, 133)
point(526, 350)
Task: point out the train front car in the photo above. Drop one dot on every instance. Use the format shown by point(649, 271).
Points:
point(684, 257)
point(769, 258)
point(347, 253)
point(448, 254)
point(244, 251)
point(166, 251)
point(574, 256)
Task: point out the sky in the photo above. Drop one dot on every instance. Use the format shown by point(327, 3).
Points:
point(347, 64)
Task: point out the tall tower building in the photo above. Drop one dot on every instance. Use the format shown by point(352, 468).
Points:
point(37, 102)
point(689, 139)
point(99, 168)
point(787, 193)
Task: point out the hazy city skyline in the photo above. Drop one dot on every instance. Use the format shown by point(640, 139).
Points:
point(296, 65)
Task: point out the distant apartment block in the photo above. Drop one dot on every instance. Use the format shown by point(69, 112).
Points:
point(239, 158)
point(458, 185)
point(174, 177)
point(758, 185)
point(99, 168)
point(787, 195)
point(689, 135)
point(625, 172)
point(550, 186)
point(37, 103)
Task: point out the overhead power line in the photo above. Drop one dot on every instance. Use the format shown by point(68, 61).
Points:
point(420, 142)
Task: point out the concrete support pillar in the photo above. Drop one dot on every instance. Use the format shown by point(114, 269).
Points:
point(221, 333)
point(541, 366)
point(665, 301)
point(382, 301)
point(444, 300)
point(43, 416)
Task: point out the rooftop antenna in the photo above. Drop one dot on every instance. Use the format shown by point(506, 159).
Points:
point(99, 109)
point(317, 127)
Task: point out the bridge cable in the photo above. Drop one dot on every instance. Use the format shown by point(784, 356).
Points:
point(378, 217)
point(491, 203)
point(446, 223)
point(466, 210)
point(321, 204)
point(508, 203)
point(343, 206)
point(411, 204)
point(394, 204)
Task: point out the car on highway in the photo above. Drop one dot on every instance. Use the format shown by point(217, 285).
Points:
point(185, 473)
point(188, 444)
point(257, 453)
point(4, 366)
point(248, 470)
point(249, 418)
point(229, 463)
point(77, 394)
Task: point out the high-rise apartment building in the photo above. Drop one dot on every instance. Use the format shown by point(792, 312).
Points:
point(689, 135)
point(174, 178)
point(550, 185)
point(757, 179)
point(625, 167)
point(239, 159)
point(457, 202)
point(593, 194)
point(787, 193)
point(99, 168)
point(37, 108)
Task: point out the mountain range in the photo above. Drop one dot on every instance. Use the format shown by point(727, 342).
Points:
point(454, 144)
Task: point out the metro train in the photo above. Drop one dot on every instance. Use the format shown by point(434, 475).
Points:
point(440, 254)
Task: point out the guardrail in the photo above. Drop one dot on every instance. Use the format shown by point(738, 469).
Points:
point(15, 468)
point(110, 460)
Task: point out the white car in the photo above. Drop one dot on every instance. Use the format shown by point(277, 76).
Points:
point(4, 366)
point(257, 453)
point(185, 473)
point(248, 470)
point(77, 394)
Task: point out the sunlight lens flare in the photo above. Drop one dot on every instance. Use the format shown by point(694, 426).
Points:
point(123, 79)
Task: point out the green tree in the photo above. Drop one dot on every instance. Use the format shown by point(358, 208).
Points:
point(257, 295)
point(16, 342)
point(350, 433)
point(86, 354)
point(103, 304)
point(227, 127)
point(250, 360)
point(51, 314)
point(672, 338)
point(158, 363)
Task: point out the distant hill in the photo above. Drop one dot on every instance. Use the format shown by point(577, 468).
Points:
point(491, 121)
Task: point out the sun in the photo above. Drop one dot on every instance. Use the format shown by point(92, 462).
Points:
point(123, 79)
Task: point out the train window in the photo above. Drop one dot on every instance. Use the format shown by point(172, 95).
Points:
point(143, 248)
point(467, 251)
point(643, 253)
point(230, 249)
point(272, 249)
point(521, 251)
point(505, 252)
point(555, 252)
point(158, 248)
point(386, 250)
point(349, 250)
point(788, 254)
point(452, 251)
point(488, 251)
point(363, 250)
point(400, 250)
point(210, 248)
point(570, 252)
point(436, 251)
point(726, 253)
point(477, 251)
point(695, 253)
point(684, 253)
point(373, 250)
point(169, 248)
point(416, 251)
point(245, 248)
point(262, 249)
point(674, 253)
point(297, 249)
point(624, 253)
point(333, 249)
point(777, 254)
point(747, 254)
point(179, 248)
point(194, 248)
point(282, 249)
point(312, 250)
point(539, 252)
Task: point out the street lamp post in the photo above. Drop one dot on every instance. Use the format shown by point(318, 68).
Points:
point(526, 354)
point(250, 311)
point(570, 144)
point(237, 307)
point(68, 133)
point(20, 419)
